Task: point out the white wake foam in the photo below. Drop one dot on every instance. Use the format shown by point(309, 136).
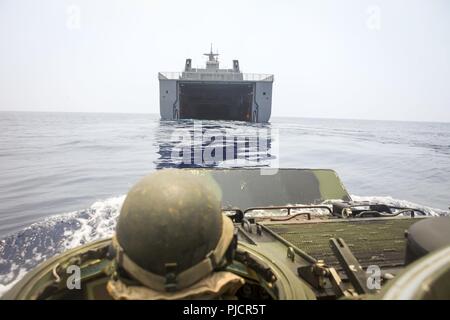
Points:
point(400, 203)
point(54, 235)
point(100, 222)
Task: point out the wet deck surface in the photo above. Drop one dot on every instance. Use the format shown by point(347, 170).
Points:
point(380, 242)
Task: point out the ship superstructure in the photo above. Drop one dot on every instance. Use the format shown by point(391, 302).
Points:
point(212, 93)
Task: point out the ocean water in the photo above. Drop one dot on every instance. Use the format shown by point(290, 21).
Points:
point(64, 176)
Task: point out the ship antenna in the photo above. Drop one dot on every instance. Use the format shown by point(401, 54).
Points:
point(212, 56)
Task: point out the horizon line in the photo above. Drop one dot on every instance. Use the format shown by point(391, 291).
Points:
point(272, 117)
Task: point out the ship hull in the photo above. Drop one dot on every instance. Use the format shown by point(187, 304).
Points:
point(249, 101)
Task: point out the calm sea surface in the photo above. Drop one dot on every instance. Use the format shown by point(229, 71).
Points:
point(64, 175)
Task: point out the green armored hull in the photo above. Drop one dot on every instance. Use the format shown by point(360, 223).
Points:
point(299, 236)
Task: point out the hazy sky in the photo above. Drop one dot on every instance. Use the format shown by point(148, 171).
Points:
point(340, 59)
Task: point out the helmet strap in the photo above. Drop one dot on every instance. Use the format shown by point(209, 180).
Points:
point(171, 277)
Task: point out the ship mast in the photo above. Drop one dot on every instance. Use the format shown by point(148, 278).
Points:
point(213, 62)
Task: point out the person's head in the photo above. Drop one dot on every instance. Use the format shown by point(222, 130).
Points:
point(171, 232)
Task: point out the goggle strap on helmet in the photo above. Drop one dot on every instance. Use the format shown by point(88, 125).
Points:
point(186, 278)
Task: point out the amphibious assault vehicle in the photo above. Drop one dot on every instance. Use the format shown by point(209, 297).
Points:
point(300, 236)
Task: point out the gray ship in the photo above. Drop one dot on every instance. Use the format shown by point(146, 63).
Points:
point(215, 94)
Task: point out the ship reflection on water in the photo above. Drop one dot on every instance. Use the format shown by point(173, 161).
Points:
point(197, 144)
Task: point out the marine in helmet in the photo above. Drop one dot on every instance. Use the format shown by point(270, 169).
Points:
point(172, 240)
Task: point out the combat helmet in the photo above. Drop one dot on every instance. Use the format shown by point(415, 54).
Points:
point(171, 232)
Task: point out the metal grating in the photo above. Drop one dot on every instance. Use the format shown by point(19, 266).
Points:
point(375, 242)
